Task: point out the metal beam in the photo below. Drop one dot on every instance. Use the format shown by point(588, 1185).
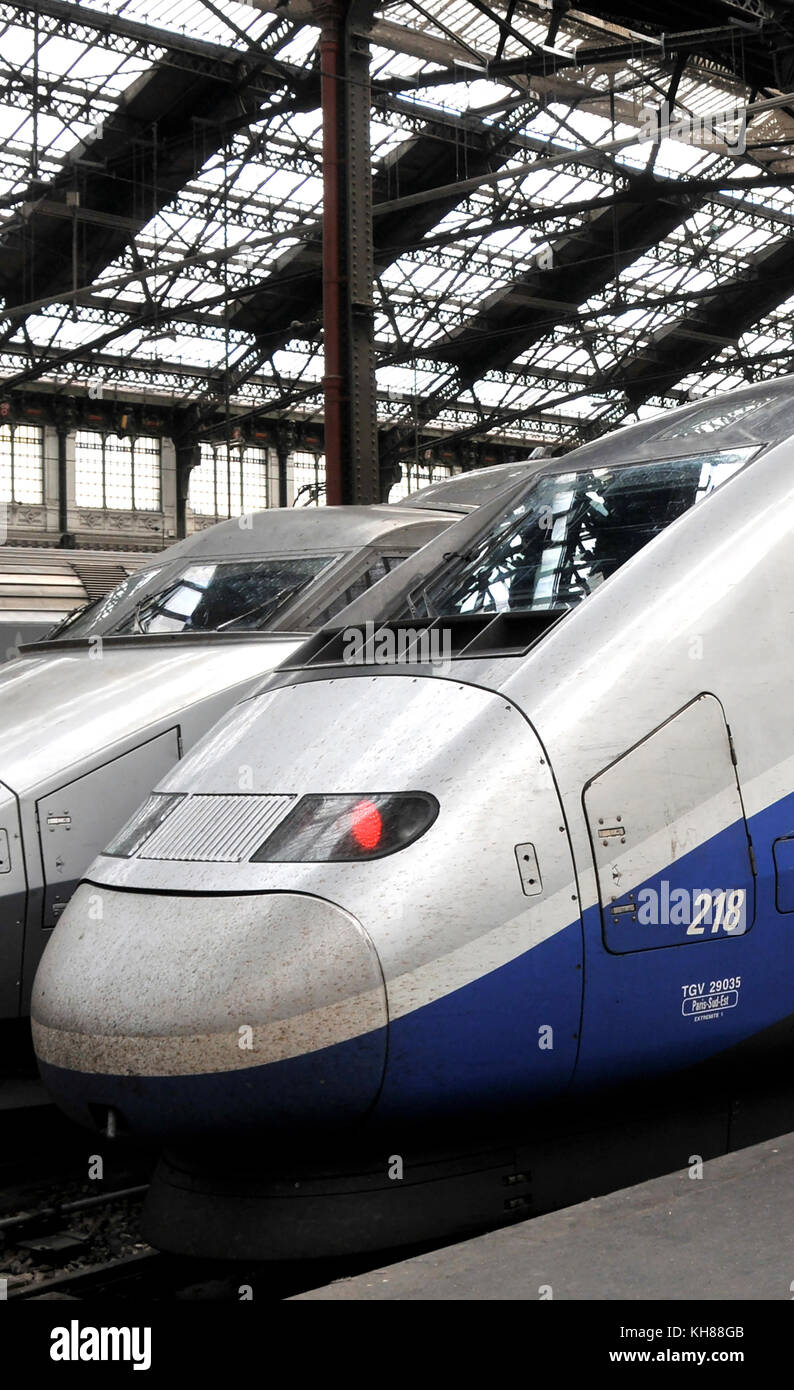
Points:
point(607, 147)
point(157, 140)
point(351, 459)
point(144, 37)
point(331, 18)
point(720, 321)
point(292, 292)
point(365, 483)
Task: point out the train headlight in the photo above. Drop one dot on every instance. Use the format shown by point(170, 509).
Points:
point(347, 828)
point(143, 824)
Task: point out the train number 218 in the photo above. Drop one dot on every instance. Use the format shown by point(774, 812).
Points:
point(720, 911)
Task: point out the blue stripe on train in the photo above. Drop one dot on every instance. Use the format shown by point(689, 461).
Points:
point(335, 1085)
point(510, 1035)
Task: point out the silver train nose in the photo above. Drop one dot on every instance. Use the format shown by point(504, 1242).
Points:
point(185, 1013)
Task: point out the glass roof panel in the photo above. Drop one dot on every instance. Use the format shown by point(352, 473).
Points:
point(548, 315)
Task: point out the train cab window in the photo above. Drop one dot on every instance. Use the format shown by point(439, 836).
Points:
point(570, 532)
point(209, 597)
point(220, 597)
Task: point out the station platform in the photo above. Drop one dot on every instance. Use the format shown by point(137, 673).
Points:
point(726, 1235)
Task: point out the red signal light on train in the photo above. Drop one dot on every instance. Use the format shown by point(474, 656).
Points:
point(367, 825)
point(345, 829)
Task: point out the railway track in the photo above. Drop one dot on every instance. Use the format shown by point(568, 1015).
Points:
point(56, 1246)
point(69, 1200)
point(56, 1232)
point(146, 1274)
point(58, 1211)
point(152, 1276)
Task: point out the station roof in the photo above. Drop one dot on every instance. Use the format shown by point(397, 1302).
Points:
point(160, 207)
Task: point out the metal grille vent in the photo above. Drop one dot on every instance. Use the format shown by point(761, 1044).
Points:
point(216, 829)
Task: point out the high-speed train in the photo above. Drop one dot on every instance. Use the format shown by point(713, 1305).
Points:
point(519, 825)
point(94, 716)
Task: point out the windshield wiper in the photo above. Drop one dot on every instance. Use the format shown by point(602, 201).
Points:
point(137, 626)
point(270, 604)
point(61, 629)
point(413, 607)
point(430, 608)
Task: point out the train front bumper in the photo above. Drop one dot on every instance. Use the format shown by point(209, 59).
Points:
point(190, 1013)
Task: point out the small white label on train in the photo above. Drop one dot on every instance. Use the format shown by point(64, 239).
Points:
point(707, 998)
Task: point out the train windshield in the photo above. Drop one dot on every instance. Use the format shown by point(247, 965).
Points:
point(214, 596)
point(569, 533)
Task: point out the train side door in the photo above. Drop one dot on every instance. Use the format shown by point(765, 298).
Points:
point(667, 943)
point(78, 820)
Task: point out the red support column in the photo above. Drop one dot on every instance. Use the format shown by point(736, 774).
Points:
point(351, 443)
point(331, 14)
